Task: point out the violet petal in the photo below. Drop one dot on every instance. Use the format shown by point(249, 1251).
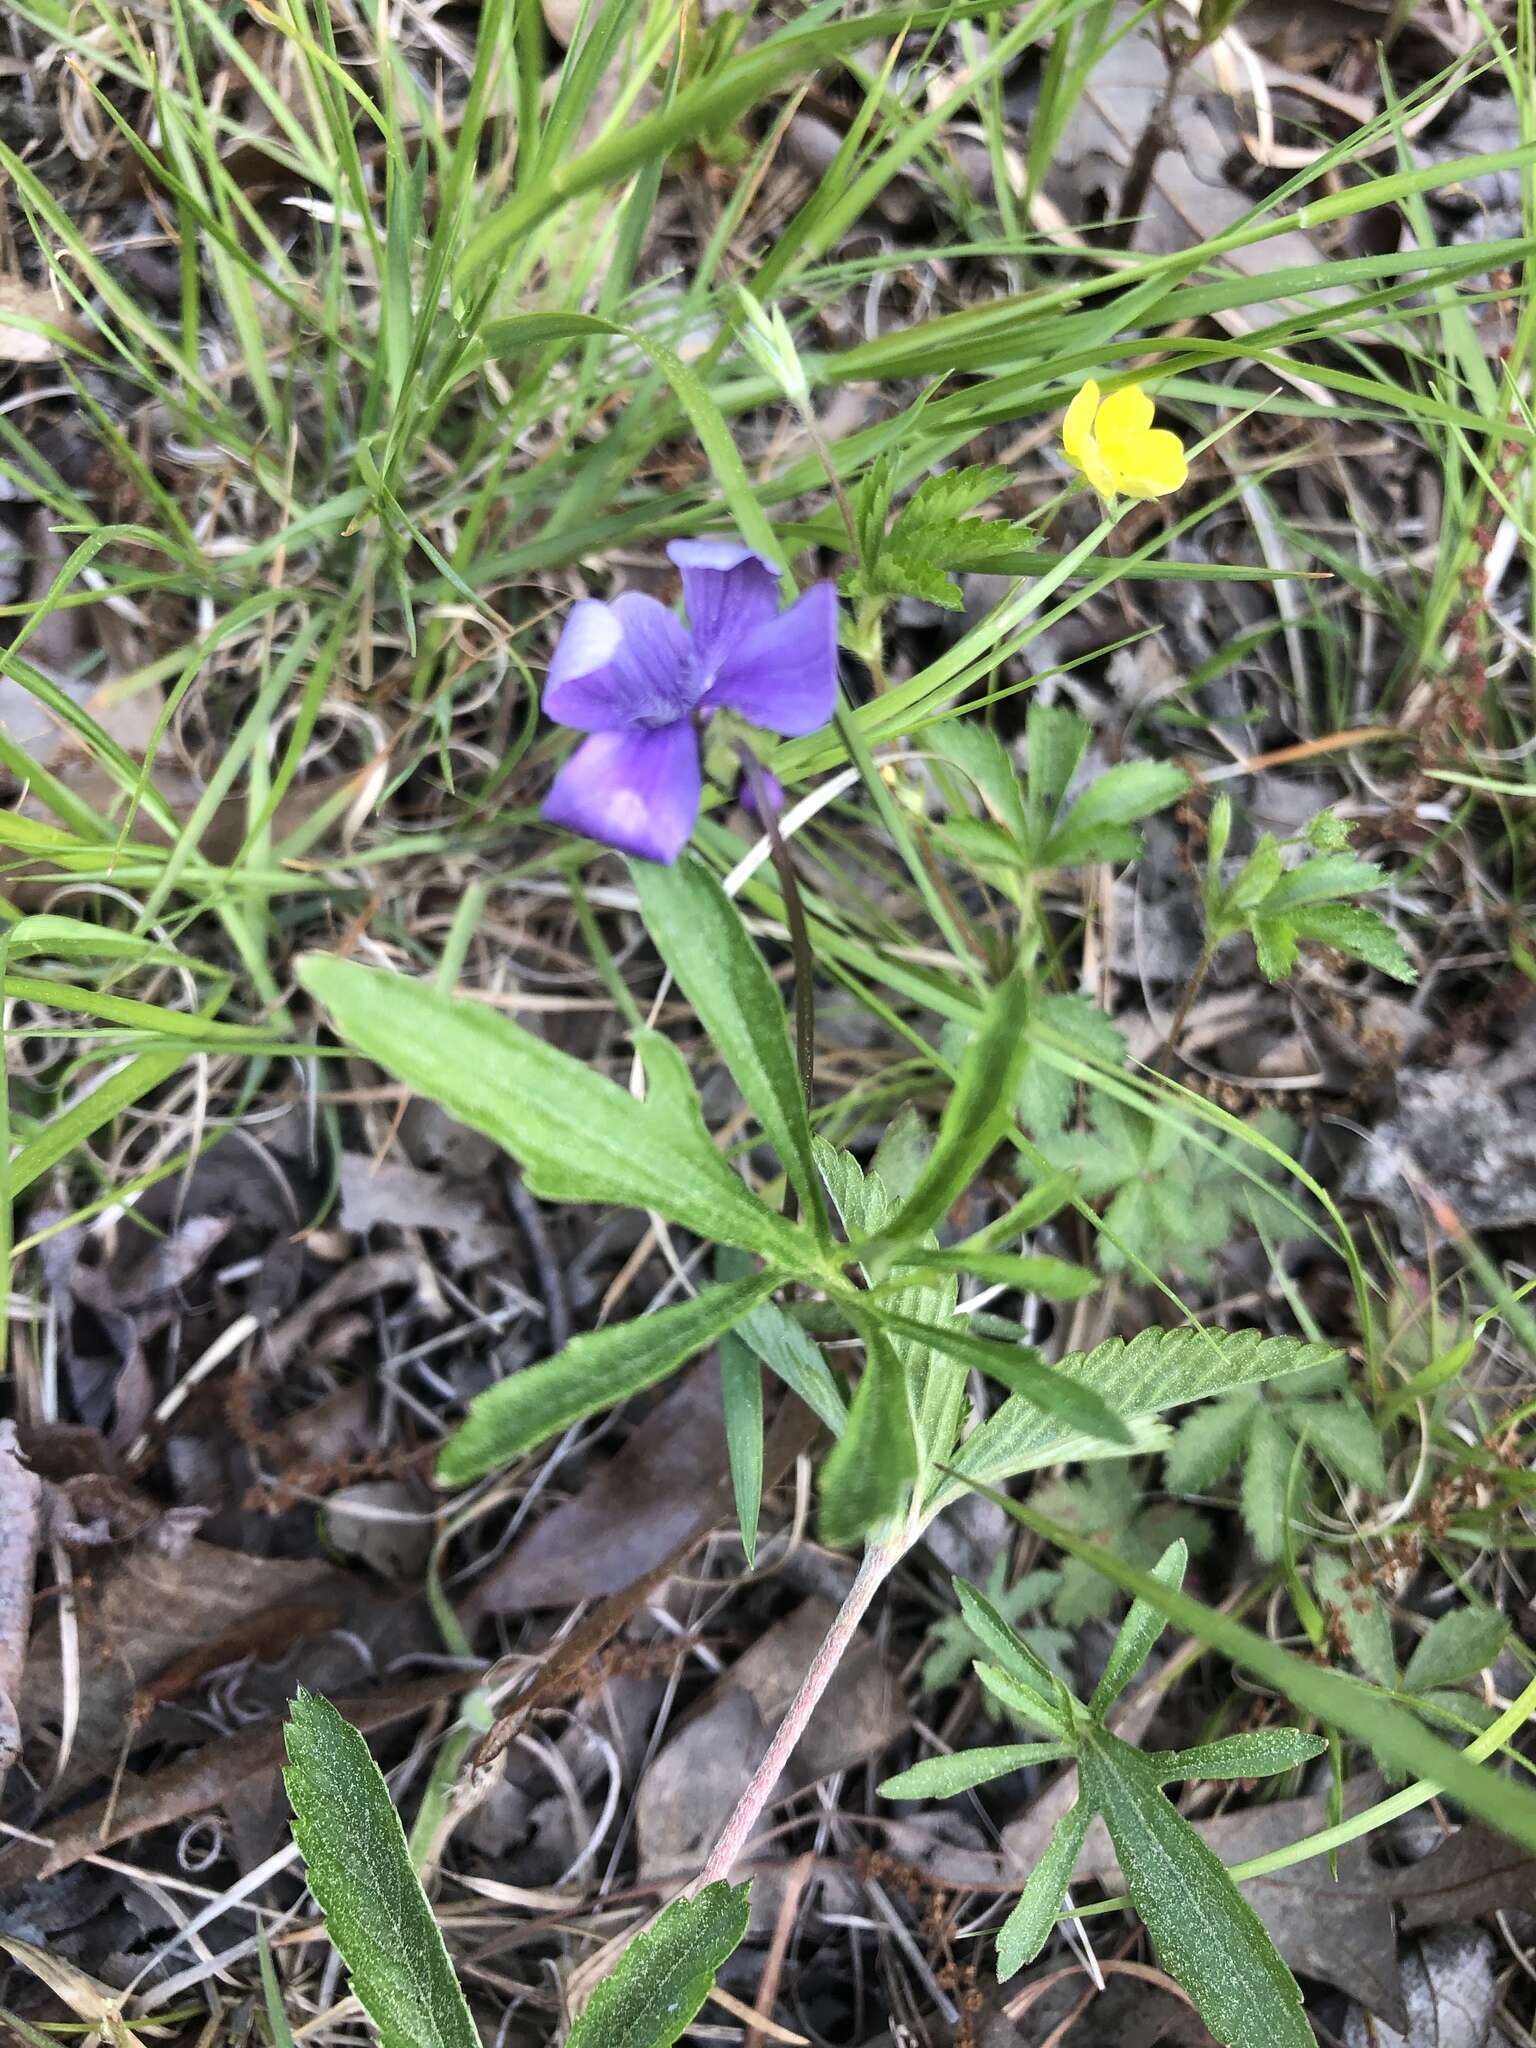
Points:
point(619, 667)
point(637, 791)
point(728, 590)
point(784, 673)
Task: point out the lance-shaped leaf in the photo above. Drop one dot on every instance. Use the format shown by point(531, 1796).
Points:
point(1205, 1932)
point(935, 1387)
point(1262, 1753)
point(657, 1986)
point(1023, 1934)
point(1023, 1702)
point(1002, 1640)
point(596, 1370)
point(1138, 1633)
point(978, 1111)
point(1029, 1273)
point(699, 933)
point(1098, 825)
point(578, 1135)
point(360, 1870)
point(787, 1350)
point(941, 1777)
point(867, 1478)
point(1019, 1368)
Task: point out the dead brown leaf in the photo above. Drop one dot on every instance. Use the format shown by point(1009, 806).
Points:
point(21, 1524)
point(1191, 198)
point(627, 1516)
point(793, 1430)
point(1473, 1872)
point(22, 301)
point(1450, 1992)
point(692, 1788)
point(402, 1196)
point(204, 1778)
point(146, 1612)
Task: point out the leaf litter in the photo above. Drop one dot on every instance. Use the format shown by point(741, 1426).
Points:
point(160, 1642)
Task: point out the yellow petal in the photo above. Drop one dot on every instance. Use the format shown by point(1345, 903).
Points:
point(1077, 427)
point(1098, 472)
point(1122, 416)
point(1152, 465)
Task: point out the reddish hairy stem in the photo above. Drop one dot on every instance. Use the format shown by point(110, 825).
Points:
point(878, 1563)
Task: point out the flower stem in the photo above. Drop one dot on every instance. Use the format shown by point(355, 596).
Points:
point(1181, 1017)
point(794, 918)
point(879, 1560)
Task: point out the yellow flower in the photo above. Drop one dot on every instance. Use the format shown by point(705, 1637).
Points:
point(1115, 445)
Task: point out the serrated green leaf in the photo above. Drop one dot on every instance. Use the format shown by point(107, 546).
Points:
point(1345, 1435)
point(1156, 1370)
point(579, 1137)
point(984, 844)
point(1352, 1607)
point(901, 573)
point(1256, 877)
point(976, 543)
point(359, 1869)
point(872, 505)
point(1350, 928)
point(594, 1371)
point(741, 1399)
point(1206, 1934)
point(940, 500)
point(941, 1777)
point(1323, 878)
point(1138, 1633)
point(867, 1477)
point(1055, 738)
point(661, 1981)
point(1266, 1476)
point(1096, 826)
point(1329, 833)
point(974, 1117)
point(979, 754)
point(1046, 1095)
point(1023, 1934)
point(699, 933)
point(1262, 1753)
point(1207, 1445)
point(1274, 941)
point(1460, 1645)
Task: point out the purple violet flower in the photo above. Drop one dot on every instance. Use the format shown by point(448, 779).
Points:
point(630, 674)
